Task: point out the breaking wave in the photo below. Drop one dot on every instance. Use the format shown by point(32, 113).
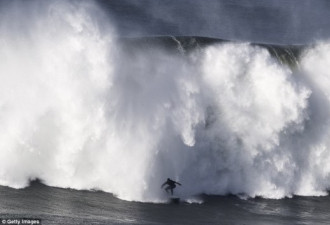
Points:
point(79, 109)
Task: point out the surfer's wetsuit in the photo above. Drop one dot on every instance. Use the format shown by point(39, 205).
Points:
point(171, 185)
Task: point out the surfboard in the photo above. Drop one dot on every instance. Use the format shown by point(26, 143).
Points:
point(175, 200)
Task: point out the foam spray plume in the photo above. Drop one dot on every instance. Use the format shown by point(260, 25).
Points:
point(78, 111)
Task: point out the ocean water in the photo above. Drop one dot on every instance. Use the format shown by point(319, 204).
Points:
point(65, 206)
point(273, 21)
point(102, 101)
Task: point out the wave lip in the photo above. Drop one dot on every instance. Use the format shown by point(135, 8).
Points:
point(269, 22)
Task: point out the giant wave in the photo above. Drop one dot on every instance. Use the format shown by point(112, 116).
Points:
point(81, 108)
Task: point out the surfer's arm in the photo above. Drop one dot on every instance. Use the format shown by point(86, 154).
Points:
point(178, 183)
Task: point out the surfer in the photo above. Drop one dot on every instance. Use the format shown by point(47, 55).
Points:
point(171, 185)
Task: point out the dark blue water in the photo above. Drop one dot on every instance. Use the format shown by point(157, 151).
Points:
point(64, 206)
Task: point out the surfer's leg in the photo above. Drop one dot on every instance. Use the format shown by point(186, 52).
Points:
point(172, 188)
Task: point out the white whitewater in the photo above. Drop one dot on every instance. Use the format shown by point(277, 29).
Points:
point(76, 111)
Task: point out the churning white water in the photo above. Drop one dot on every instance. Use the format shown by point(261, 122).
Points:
point(77, 111)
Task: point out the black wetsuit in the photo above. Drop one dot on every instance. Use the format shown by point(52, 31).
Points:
point(171, 185)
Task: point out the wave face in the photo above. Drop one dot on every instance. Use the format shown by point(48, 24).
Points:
point(80, 110)
point(272, 21)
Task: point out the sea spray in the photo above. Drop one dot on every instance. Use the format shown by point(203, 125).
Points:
point(79, 110)
point(55, 73)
